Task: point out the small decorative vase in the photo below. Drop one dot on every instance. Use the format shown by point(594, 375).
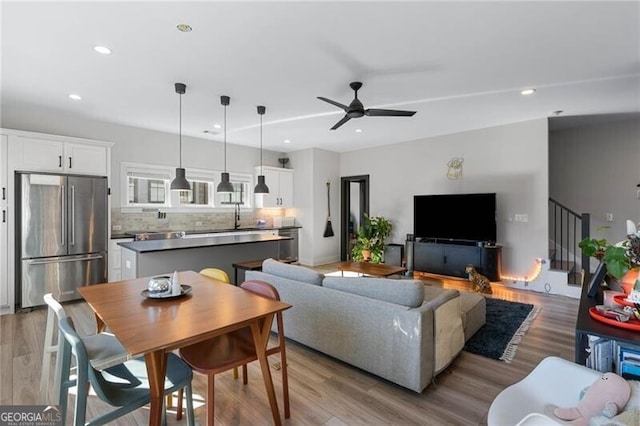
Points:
point(629, 280)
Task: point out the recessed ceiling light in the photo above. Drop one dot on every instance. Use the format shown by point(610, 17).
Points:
point(217, 126)
point(184, 28)
point(527, 92)
point(358, 130)
point(287, 141)
point(75, 97)
point(102, 50)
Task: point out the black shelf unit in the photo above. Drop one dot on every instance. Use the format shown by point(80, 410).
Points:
point(451, 258)
point(586, 326)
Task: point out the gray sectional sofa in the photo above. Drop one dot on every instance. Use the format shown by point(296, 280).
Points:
point(400, 330)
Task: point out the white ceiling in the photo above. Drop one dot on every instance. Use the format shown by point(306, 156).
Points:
point(460, 65)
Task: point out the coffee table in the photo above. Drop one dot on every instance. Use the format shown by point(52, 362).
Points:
point(372, 269)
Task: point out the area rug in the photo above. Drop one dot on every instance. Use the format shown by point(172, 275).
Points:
point(507, 323)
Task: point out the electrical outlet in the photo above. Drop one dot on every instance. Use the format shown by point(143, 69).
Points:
point(117, 227)
point(608, 217)
point(521, 217)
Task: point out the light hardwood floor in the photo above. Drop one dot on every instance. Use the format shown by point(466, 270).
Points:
point(323, 391)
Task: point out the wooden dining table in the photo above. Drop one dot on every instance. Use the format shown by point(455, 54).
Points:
point(154, 327)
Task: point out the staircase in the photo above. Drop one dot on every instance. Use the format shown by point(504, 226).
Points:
point(566, 229)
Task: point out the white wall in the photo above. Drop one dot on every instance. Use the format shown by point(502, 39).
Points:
point(510, 160)
point(140, 145)
point(595, 169)
point(313, 168)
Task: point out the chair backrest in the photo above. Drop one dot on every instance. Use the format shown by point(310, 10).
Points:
point(261, 288)
point(216, 273)
point(52, 346)
point(265, 289)
point(124, 394)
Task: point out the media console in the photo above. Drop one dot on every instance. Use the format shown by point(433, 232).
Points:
point(451, 258)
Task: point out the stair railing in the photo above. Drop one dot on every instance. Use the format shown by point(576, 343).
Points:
point(566, 229)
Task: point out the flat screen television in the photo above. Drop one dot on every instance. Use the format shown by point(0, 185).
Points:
point(465, 218)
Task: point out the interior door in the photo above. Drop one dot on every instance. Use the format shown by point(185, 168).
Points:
point(87, 218)
point(354, 203)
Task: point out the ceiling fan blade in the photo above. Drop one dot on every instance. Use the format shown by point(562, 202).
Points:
point(388, 113)
point(341, 122)
point(338, 104)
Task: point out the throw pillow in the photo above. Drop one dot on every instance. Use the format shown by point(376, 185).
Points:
point(292, 272)
point(409, 293)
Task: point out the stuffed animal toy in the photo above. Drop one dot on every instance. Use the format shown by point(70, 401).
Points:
point(607, 396)
point(479, 282)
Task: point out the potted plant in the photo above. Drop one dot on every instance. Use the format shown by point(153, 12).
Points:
point(622, 259)
point(369, 246)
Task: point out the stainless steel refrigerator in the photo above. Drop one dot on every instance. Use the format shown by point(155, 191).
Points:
point(62, 235)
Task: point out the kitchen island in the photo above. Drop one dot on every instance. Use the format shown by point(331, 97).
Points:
point(162, 257)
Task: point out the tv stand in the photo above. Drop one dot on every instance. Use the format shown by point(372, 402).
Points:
point(451, 257)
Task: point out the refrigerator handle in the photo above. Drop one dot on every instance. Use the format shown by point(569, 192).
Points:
point(4, 216)
point(4, 193)
point(72, 238)
point(64, 260)
point(63, 215)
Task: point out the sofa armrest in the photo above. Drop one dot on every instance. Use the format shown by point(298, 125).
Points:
point(448, 330)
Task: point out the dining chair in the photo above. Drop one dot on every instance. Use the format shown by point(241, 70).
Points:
point(216, 273)
point(103, 350)
point(220, 275)
point(125, 386)
point(236, 349)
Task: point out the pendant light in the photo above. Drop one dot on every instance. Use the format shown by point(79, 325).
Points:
point(225, 186)
point(180, 182)
point(261, 187)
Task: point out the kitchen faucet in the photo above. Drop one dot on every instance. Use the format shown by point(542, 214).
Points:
point(236, 216)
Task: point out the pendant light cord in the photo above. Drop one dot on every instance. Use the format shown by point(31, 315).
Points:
point(180, 130)
point(260, 143)
point(225, 138)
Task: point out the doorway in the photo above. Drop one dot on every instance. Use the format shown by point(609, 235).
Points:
point(354, 203)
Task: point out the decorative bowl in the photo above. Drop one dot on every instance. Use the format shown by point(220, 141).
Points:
point(159, 285)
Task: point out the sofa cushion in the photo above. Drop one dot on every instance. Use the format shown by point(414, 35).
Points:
point(292, 272)
point(409, 293)
point(474, 311)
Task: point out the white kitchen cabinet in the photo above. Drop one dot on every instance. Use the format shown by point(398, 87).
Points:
point(115, 258)
point(4, 227)
point(280, 183)
point(57, 155)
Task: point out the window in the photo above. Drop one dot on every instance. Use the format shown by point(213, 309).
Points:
point(240, 195)
point(202, 184)
point(145, 185)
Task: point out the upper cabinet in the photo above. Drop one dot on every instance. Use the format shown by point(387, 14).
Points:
point(4, 228)
point(280, 183)
point(3, 170)
point(58, 155)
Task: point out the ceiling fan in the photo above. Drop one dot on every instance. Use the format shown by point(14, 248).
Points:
point(356, 109)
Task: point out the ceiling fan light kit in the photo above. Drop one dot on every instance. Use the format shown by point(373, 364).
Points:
point(356, 109)
point(261, 187)
point(225, 186)
point(180, 183)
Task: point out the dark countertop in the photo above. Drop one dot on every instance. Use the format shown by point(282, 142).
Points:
point(187, 243)
point(129, 234)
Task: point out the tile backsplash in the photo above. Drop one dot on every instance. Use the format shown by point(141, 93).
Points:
point(151, 221)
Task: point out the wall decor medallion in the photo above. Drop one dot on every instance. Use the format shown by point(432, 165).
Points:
point(454, 170)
